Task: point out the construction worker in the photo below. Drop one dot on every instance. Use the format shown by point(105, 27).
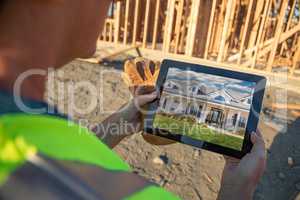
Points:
point(43, 156)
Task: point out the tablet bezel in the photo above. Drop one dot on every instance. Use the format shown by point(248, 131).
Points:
point(253, 115)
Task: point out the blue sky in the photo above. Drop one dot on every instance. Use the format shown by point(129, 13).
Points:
point(212, 80)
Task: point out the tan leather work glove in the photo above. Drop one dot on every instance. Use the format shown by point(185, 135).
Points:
point(140, 76)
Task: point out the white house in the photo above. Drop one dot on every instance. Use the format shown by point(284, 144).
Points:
point(221, 108)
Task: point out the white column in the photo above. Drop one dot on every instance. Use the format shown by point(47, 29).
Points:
point(203, 113)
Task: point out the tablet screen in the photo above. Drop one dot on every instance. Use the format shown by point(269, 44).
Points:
point(205, 107)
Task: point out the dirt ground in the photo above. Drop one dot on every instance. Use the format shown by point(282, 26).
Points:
point(188, 172)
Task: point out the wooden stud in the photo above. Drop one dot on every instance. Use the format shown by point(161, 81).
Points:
point(244, 33)
point(111, 30)
point(261, 28)
point(136, 17)
point(178, 24)
point(169, 25)
point(146, 23)
point(211, 21)
point(105, 31)
point(277, 35)
point(296, 58)
point(230, 29)
point(117, 22)
point(219, 27)
point(184, 28)
point(126, 22)
point(192, 28)
point(156, 24)
point(225, 30)
point(291, 15)
point(259, 6)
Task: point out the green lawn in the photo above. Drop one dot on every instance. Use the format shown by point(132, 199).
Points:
point(186, 126)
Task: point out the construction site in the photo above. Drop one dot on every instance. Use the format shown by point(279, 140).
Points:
point(252, 36)
point(75, 147)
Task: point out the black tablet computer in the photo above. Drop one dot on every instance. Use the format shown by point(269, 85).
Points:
point(206, 107)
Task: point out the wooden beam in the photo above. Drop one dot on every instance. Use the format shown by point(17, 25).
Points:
point(259, 6)
point(146, 23)
point(105, 31)
point(135, 23)
point(192, 28)
point(178, 24)
point(126, 21)
point(295, 113)
point(245, 31)
point(209, 34)
point(225, 30)
point(117, 22)
point(267, 8)
point(156, 24)
point(230, 29)
point(270, 47)
point(111, 30)
point(266, 45)
point(169, 25)
point(278, 32)
point(288, 106)
point(296, 58)
point(291, 15)
point(184, 22)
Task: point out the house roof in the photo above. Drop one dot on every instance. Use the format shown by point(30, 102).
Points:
point(237, 95)
point(184, 86)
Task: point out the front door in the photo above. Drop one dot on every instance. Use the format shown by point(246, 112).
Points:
point(215, 117)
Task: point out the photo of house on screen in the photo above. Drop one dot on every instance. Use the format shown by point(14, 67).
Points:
point(221, 103)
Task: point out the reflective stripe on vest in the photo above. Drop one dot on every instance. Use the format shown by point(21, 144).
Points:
point(22, 135)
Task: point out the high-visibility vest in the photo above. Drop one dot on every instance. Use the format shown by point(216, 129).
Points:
point(23, 136)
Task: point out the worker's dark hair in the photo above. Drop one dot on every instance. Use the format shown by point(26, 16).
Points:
point(2, 4)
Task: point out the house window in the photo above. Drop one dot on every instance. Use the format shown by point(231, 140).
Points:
point(234, 118)
point(193, 110)
point(220, 98)
point(242, 122)
point(249, 101)
point(174, 105)
point(199, 111)
point(175, 87)
point(202, 90)
point(165, 103)
point(215, 116)
point(168, 85)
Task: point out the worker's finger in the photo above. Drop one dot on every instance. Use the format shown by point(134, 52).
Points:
point(259, 134)
point(258, 144)
point(145, 99)
point(140, 66)
point(148, 72)
point(144, 89)
point(152, 67)
point(132, 73)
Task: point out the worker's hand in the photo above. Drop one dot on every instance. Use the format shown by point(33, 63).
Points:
point(140, 75)
point(240, 177)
